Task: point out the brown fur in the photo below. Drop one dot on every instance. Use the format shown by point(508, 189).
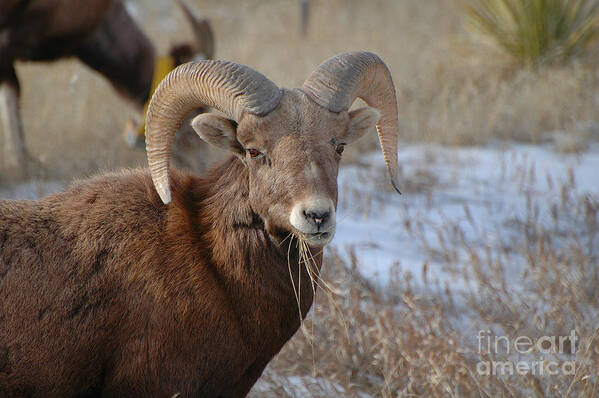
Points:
point(106, 291)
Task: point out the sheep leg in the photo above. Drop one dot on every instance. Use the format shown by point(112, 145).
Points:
point(14, 148)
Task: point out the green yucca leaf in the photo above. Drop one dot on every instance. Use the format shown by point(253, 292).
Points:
point(537, 31)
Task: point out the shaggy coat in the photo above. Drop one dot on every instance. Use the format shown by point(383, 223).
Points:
point(104, 291)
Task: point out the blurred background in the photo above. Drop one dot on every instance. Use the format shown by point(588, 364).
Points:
point(497, 227)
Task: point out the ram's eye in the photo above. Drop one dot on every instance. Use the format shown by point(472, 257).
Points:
point(254, 153)
point(340, 148)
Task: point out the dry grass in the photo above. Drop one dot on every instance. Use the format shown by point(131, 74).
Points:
point(412, 340)
point(450, 89)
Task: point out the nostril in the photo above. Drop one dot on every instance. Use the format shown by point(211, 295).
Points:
point(319, 217)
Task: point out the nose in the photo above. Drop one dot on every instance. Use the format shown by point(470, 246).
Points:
point(314, 215)
point(319, 217)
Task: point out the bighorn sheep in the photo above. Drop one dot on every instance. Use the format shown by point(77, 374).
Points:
point(139, 284)
point(102, 34)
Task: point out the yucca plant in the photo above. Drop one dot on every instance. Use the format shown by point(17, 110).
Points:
point(537, 32)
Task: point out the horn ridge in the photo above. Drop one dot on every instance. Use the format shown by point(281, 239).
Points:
point(338, 81)
point(229, 87)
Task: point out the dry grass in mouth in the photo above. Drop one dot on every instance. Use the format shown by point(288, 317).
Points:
point(307, 262)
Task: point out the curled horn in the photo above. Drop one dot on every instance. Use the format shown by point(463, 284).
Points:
point(203, 34)
point(231, 88)
point(337, 82)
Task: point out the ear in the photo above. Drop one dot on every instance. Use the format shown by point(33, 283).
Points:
point(218, 131)
point(361, 121)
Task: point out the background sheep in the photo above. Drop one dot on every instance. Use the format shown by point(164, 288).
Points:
point(102, 34)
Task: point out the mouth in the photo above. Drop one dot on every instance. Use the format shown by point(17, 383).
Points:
point(317, 239)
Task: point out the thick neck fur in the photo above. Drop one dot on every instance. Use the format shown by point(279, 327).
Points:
point(252, 267)
point(125, 295)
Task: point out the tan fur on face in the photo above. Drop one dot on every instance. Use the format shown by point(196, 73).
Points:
point(297, 135)
point(298, 163)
